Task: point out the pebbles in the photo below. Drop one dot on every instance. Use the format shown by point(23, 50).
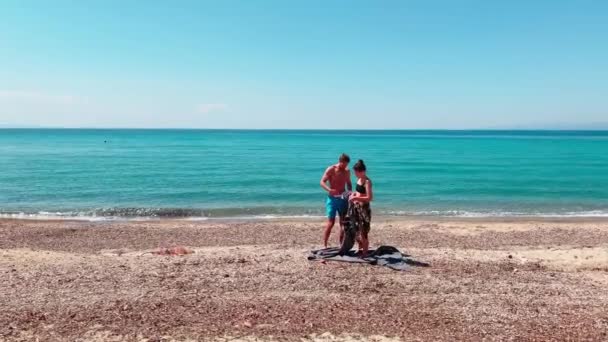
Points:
point(250, 281)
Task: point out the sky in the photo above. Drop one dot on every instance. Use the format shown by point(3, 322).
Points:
point(304, 64)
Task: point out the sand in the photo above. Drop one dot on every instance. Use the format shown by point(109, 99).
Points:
point(498, 279)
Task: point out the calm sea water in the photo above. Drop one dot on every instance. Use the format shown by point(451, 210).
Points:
point(206, 173)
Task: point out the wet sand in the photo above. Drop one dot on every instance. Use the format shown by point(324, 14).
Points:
point(493, 279)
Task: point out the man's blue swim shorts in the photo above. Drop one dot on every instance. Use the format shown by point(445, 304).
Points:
point(335, 205)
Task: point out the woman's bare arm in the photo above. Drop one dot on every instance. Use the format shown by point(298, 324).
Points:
point(369, 195)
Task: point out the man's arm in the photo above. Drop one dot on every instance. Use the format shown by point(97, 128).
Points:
point(324, 180)
point(349, 183)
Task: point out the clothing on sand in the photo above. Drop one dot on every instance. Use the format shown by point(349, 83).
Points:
point(388, 256)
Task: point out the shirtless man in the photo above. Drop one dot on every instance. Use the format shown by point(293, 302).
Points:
point(338, 177)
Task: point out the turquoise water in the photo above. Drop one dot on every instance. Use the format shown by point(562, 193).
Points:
point(206, 173)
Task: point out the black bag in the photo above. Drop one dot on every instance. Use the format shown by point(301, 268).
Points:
point(351, 228)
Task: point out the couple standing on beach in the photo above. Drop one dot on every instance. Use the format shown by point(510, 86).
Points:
point(336, 181)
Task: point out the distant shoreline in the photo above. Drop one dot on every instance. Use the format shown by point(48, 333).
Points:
point(600, 129)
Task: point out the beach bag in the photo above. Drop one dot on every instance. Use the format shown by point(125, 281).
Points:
point(351, 229)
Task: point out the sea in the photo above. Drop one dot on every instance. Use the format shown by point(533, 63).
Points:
point(114, 174)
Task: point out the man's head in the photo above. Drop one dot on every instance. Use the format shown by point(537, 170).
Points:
point(343, 161)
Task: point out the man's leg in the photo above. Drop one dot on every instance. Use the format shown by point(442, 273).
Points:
point(331, 210)
point(330, 225)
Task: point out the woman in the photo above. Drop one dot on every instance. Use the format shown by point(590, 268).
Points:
point(360, 200)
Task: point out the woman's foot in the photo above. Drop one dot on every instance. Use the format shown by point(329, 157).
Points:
point(361, 254)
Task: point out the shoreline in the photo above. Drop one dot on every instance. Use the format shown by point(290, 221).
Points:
point(283, 219)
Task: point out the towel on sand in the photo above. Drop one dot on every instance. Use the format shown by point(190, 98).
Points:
point(388, 256)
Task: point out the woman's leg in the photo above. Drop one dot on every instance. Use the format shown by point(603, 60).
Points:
point(364, 244)
point(359, 244)
point(367, 220)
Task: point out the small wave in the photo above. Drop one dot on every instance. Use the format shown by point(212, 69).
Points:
point(490, 214)
point(279, 217)
point(270, 213)
point(60, 216)
point(142, 214)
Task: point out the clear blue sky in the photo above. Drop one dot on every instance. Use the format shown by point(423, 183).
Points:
point(308, 64)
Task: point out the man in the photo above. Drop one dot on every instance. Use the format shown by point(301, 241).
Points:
point(338, 177)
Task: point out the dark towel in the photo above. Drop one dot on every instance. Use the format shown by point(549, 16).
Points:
point(384, 256)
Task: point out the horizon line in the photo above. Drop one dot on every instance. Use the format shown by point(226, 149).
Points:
point(301, 129)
